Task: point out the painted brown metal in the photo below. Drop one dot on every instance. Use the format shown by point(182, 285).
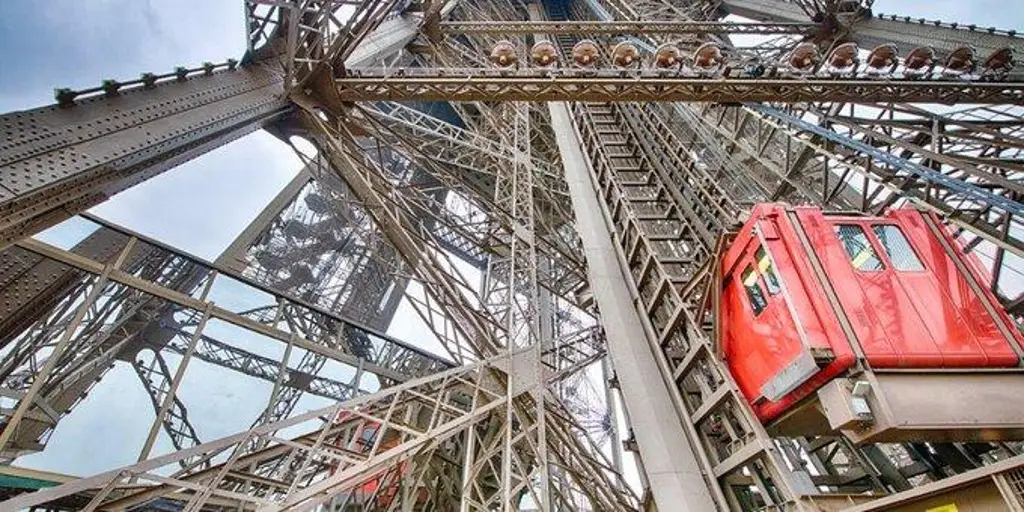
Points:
point(104, 144)
point(491, 85)
point(623, 27)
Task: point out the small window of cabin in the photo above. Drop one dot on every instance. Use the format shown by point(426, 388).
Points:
point(368, 435)
point(764, 264)
point(897, 248)
point(753, 288)
point(858, 248)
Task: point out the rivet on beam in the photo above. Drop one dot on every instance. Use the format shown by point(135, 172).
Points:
point(65, 97)
point(110, 87)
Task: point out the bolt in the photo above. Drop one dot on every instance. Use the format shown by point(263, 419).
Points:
point(148, 80)
point(110, 87)
point(207, 68)
point(181, 73)
point(65, 97)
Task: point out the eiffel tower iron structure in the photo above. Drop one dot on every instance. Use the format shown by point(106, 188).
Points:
point(549, 185)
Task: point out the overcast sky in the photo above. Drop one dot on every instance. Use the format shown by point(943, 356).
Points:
point(73, 43)
point(201, 205)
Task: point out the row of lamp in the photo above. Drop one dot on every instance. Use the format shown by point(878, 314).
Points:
point(805, 59)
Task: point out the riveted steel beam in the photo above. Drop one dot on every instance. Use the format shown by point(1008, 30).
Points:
point(491, 85)
point(904, 31)
point(58, 160)
point(623, 27)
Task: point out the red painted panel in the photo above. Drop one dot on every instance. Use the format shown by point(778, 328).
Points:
point(969, 329)
point(931, 318)
point(757, 348)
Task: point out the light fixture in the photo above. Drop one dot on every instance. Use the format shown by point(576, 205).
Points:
point(544, 54)
point(843, 60)
point(668, 56)
point(919, 62)
point(998, 64)
point(504, 54)
point(708, 59)
point(804, 58)
point(585, 53)
point(962, 61)
point(882, 60)
point(625, 54)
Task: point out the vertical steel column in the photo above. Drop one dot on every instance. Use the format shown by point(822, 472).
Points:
point(234, 257)
point(613, 415)
point(673, 471)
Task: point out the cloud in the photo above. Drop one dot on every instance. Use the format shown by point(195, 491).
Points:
point(201, 205)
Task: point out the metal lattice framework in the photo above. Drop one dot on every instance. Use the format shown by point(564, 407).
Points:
point(553, 224)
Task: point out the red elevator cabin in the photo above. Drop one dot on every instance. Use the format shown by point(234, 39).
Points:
point(880, 327)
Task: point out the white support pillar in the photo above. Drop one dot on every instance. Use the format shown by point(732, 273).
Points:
point(675, 476)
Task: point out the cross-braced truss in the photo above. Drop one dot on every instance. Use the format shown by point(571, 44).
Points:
point(534, 242)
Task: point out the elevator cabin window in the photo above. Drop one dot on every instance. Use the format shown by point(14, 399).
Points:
point(857, 246)
point(897, 248)
point(368, 436)
point(754, 293)
point(764, 264)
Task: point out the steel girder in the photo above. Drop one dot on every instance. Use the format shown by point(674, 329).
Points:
point(710, 399)
point(413, 427)
point(554, 238)
point(974, 144)
point(667, 210)
point(144, 325)
point(375, 352)
point(144, 322)
point(30, 285)
point(805, 167)
point(389, 203)
point(312, 37)
point(468, 337)
point(311, 245)
point(288, 322)
point(112, 331)
point(584, 28)
point(980, 151)
point(871, 30)
point(474, 84)
point(103, 144)
point(575, 354)
point(159, 383)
